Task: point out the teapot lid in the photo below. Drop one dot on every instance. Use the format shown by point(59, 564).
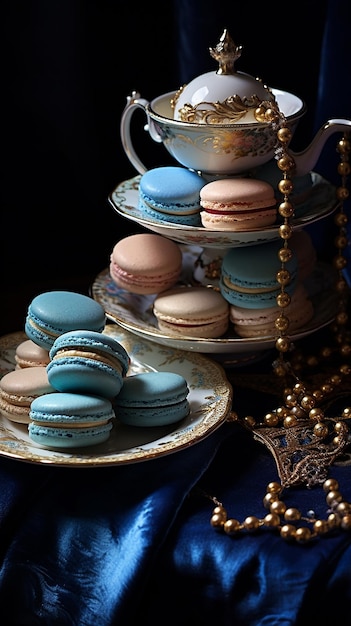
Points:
point(225, 96)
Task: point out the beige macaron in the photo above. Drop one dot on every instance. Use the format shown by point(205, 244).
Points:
point(29, 354)
point(18, 389)
point(192, 312)
point(237, 204)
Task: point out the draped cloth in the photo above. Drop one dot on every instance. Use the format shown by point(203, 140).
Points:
point(131, 544)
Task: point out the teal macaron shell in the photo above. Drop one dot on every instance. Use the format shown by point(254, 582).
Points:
point(249, 275)
point(87, 362)
point(172, 194)
point(152, 399)
point(55, 312)
point(67, 420)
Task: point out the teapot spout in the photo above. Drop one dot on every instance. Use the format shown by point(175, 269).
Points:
point(306, 160)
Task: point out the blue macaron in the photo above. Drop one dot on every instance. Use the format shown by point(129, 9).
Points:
point(53, 313)
point(87, 362)
point(249, 275)
point(171, 194)
point(70, 420)
point(152, 399)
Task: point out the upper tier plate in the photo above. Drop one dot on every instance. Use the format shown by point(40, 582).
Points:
point(210, 397)
point(320, 201)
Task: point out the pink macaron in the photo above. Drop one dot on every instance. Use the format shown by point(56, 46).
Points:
point(250, 323)
point(145, 263)
point(237, 204)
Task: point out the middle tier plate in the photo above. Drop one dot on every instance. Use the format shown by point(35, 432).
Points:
point(319, 201)
point(134, 313)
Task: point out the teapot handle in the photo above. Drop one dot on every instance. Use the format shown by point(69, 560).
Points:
point(134, 101)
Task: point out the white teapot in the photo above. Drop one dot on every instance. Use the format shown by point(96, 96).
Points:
point(217, 124)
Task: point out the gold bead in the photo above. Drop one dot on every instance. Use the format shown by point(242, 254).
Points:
point(339, 263)
point(217, 521)
point(333, 497)
point(321, 527)
point(271, 419)
point(308, 402)
point(340, 242)
point(231, 526)
point(285, 186)
point(251, 523)
point(220, 511)
point(333, 520)
point(338, 427)
point(292, 514)
point(283, 344)
point(271, 115)
point(260, 114)
point(346, 522)
point(285, 253)
point(284, 135)
point(303, 534)
point(320, 430)
point(286, 209)
point(282, 323)
point(316, 414)
point(346, 414)
point(250, 421)
point(268, 499)
point(331, 484)
point(343, 508)
point(290, 421)
point(298, 411)
point(274, 487)
point(342, 193)
point(278, 507)
point(286, 163)
point(291, 399)
point(344, 168)
point(343, 146)
point(285, 232)
point(342, 318)
point(340, 219)
point(288, 531)
point(283, 299)
point(283, 277)
point(271, 519)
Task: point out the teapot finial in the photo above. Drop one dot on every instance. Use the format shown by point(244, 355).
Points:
point(226, 53)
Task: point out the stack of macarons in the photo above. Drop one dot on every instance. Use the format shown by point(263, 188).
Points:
point(250, 323)
point(145, 263)
point(249, 275)
point(86, 370)
point(196, 312)
point(237, 204)
point(171, 194)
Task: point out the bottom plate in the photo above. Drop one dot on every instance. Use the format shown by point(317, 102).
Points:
point(210, 397)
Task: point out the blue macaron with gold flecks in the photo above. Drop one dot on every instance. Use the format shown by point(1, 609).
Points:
point(171, 194)
point(52, 313)
point(70, 420)
point(152, 399)
point(87, 362)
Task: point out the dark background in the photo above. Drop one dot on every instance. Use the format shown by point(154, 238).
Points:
point(67, 69)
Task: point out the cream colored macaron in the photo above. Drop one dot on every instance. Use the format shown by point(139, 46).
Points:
point(192, 312)
point(29, 354)
point(19, 388)
point(237, 204)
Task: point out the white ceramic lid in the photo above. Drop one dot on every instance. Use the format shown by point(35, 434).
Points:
point(222, 96)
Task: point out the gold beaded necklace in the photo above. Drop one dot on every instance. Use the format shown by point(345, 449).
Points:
point(311, 437)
